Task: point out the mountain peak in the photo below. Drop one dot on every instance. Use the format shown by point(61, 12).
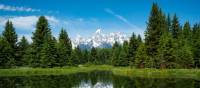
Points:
point(98, 31)
point(100, 40)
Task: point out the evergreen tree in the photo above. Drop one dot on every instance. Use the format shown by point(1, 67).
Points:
point(64, 48)
point(185, 56)
point(141, 56)
point(115, 54)
point(124, 53)
point(42, 30)
point(196, 44)
point(10, 37)
point(122, 59)
point(23, 45)
point(156, 26)
point(132, 49)
point(187, 33)
point(48, 53)
point(86, 56)
point(169, 22)
point(139, 39)
point(175, 28)
point(76, 56)
point(166, 57)
point(115, 57)
point(5, 56)
point(93, 55)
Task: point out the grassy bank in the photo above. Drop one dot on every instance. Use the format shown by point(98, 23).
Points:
point(158, 73)
point(123, 71)
point(51, 71)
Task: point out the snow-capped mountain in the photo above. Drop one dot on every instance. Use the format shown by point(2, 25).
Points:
point(100, 39)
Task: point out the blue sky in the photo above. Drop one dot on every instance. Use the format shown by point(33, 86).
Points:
point(84, 17)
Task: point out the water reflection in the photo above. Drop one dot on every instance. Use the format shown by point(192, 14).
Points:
point(96, 79)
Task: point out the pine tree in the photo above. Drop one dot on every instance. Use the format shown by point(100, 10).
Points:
point(166, 57)
point(124, 53)
point(10, 37)
point(122, 59)
point(42, 30)
point(157, 25)
point(132, 49)
point(5, 56)
point(93, 56)
point(23, 45)
point(76, 56)
point(175, 28)
point(196, 44)
point(64, 48)
point(48, 53)
point(104, 55)
point(115, 54)
point(139, 39)
point(169, 22)
point(86, 56)
point(141, 56)
point(187, 33)
point(185, 56)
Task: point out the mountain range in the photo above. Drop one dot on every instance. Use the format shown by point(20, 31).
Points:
point(100, 40)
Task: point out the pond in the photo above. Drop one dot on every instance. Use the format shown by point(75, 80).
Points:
point(95, 79)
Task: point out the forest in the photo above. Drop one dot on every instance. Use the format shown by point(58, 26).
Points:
point(167, 44)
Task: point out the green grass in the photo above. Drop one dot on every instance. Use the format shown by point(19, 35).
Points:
point(123, 71)
point(158, 73)
point(50, 71)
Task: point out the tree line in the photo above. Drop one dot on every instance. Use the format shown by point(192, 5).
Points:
point(167, 44)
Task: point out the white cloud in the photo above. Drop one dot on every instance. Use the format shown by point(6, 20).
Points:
point(123, 19)
point(26, 22)
point(16, 8)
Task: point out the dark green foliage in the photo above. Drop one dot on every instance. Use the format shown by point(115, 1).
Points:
point(48, 53)
point(42, 30)
point(10, 35)
point(157, 25)
point(185, 57)
point(5, 56)
point(23, 45)
point(152, 33)
point(166, 57)
point(10, 39)
point(187, 33)
point(76, 56)
point(86, 56)
point(132, 48)
point(169, 24)
point(196, 44)
point(115, 54)
point(123, 60)
point(141, 56)
point(175, 28)
point(64, 48)
point(93, 56)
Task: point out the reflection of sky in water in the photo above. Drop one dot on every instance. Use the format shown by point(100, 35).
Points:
point(88, 84)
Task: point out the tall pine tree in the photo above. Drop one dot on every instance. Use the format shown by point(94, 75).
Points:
point(156, 26)
point(10, 37)
point(64, 48)
point(42, 30)
point(23, 45)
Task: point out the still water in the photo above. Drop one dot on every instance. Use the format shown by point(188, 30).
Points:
point(96, 79)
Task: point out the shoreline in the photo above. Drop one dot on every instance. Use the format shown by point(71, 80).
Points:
point(122, 71)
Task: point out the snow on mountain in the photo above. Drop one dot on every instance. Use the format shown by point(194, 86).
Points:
point(100, 40)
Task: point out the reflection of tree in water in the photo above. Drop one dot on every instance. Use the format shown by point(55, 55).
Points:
point(96, 79)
